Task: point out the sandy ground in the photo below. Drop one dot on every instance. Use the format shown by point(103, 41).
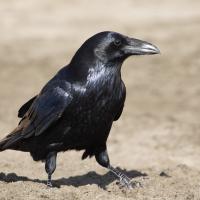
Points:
point(157, 139)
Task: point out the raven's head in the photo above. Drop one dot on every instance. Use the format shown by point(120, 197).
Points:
point(107, 49)
point(112, 47)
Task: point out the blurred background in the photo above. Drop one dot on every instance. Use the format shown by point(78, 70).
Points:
point(160, 126)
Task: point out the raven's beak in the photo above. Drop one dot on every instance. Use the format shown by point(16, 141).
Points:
point(139, 47)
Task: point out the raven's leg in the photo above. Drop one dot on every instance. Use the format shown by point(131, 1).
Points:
point(103, 159)
point(50, 166)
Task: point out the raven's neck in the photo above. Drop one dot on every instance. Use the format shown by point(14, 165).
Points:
point(85, 68)
point(79, 66)
point(103, 74)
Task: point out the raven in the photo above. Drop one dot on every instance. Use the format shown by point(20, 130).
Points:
point(77, 107)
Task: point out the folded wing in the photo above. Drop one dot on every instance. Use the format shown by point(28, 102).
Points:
point(46, 109)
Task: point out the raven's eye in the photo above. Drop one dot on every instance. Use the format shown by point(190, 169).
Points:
point(117, 43)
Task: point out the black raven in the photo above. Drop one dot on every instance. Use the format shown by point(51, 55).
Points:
point(76, 108)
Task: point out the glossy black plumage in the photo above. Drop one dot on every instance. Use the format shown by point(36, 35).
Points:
point(76, 108)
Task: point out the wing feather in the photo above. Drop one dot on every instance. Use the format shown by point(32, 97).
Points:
point(45, 110)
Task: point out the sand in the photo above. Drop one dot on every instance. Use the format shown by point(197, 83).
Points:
point(156, 141)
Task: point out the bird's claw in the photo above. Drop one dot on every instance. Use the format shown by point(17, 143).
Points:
point(49, 184)
point(124, 181)
point(136, 184)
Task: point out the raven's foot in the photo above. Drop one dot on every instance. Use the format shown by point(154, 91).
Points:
point(49, 184)
point(50, 166)
point(136, 184)
point(124, 181)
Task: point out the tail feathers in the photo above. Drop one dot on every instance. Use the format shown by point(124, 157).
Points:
point(10, 140)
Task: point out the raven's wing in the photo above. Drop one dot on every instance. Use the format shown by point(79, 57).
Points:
point(47, 108)
point(121, 103)
point(24, 108)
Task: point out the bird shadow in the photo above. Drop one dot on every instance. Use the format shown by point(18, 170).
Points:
point(86, 179)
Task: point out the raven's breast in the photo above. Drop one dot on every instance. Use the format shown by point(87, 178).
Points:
point(91, 119)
